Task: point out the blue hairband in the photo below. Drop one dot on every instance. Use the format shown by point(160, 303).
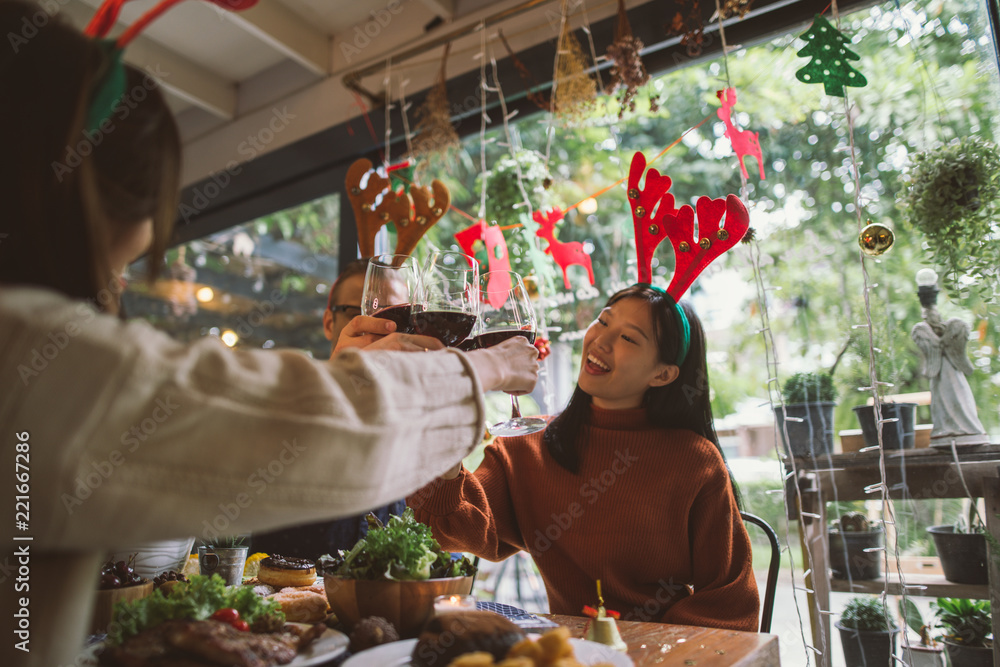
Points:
point(682, 320)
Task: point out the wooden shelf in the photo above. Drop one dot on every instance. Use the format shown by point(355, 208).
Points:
point(936, 586)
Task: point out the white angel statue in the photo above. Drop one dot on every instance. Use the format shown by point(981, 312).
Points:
point(953, 408)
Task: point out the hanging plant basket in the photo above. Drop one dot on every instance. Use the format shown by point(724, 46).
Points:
point(951, 196)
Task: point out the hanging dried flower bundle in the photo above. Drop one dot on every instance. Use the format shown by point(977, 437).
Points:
point(530, 83)
point(731, 8)
point(573, 90)
point(628, 72)
point(688, 22)
point(435, 134)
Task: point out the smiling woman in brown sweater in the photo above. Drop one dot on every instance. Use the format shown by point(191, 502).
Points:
point(627, 485)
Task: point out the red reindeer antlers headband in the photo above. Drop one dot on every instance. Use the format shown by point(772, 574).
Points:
point(111, 86)
point(655, 217)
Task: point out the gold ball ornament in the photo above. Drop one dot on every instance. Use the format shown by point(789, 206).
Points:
point(875, 239)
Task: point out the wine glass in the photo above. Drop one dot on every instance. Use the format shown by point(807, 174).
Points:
point(391, 284)
point(447, 302)
point(504, 312)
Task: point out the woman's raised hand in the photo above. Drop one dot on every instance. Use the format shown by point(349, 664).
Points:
point(510, 366)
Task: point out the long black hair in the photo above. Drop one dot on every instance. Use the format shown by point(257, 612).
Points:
point(684, 403)
point(69, 192)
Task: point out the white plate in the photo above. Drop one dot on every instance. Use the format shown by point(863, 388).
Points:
point(397, 654)
point(329, 645)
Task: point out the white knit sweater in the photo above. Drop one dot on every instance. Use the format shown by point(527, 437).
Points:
point(134, 436)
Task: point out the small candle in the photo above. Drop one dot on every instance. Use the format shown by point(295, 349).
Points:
point(445, 604)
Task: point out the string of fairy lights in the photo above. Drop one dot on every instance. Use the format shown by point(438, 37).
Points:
point(791, 470)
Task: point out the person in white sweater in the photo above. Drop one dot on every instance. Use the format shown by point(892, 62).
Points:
point(115, 433)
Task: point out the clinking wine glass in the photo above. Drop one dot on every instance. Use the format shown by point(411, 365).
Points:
point(505, 311)
point(391, 284)
point(447, 302)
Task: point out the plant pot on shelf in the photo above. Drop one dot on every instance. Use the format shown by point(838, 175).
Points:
point(924, 656)
point(848, 558)
point(866, 648)
point(963, 555)
point(968, 656)
point(899, 434)
point(813, 435)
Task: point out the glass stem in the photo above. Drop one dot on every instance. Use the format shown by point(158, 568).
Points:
point(515, 411)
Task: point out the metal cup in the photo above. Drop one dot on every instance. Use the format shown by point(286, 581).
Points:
point(227, 562)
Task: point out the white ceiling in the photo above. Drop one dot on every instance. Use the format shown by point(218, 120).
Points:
point(232, 77)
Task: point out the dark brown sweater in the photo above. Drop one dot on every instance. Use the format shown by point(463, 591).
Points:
point(651, 514)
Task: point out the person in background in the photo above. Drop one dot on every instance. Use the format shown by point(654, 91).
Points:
point(129, 435)
point(627, 485)
point(327, 537)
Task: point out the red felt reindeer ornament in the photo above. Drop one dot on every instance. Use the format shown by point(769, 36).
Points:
point(655, 217)
point(565, 254)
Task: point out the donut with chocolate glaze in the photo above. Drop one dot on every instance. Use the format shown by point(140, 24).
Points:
point(282, 572)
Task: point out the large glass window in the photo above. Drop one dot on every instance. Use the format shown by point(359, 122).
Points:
point(261, 284)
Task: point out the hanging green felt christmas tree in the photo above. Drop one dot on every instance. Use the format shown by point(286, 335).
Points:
point(827, 48)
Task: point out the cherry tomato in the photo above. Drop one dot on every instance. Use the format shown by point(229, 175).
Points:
point(227, 615)
point(241, 625)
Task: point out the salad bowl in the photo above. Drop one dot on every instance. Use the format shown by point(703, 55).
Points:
point(406, 604)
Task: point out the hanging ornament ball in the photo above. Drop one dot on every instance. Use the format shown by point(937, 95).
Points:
point(875, 239)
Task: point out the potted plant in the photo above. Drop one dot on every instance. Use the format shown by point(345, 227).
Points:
point(224, 556)
point(849, 538)
point(968, 626)
point(899, 425)
point(807, 416)
point(962, 549)
point(867, 632)
point(951, 196)
point(927, 653)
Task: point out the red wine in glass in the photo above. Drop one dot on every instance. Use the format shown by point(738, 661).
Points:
point(468, 345)
point(491, 338)
point(449, 327)
point(400, 315)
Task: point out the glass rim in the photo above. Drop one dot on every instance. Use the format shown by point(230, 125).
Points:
point(387, 260)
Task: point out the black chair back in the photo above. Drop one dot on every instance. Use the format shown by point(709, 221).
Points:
point(767, 606)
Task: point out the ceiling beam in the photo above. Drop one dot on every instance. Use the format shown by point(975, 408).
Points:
point(184, 79)
point(179, 76)
point(288, 34)
point(443, 8)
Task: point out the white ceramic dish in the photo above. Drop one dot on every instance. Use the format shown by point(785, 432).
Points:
point(329, 645)
point(397, 654)
point(154, 558)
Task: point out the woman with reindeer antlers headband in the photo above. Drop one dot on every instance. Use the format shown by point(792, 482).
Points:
point(83, 386)
point(628, 484)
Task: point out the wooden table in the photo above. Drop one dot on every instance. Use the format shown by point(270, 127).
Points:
point(662, 644)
